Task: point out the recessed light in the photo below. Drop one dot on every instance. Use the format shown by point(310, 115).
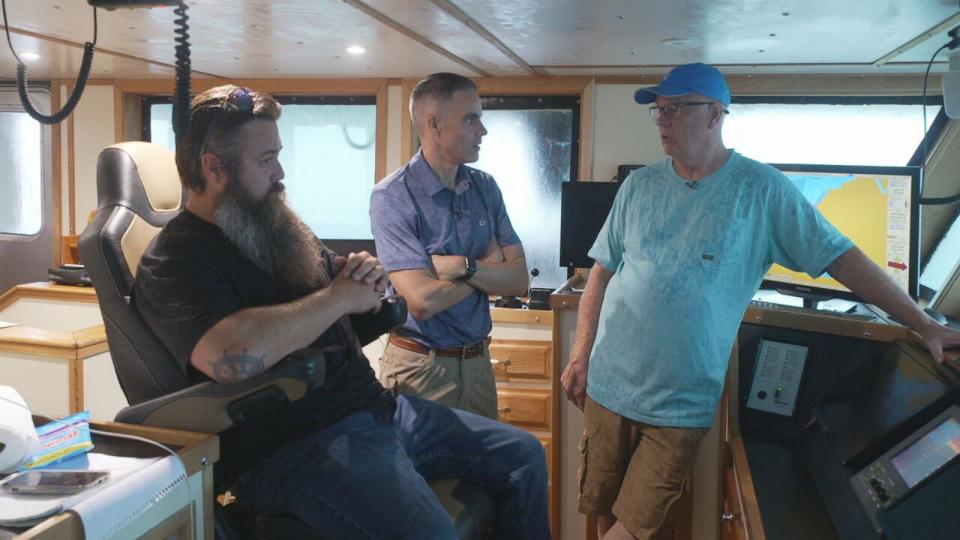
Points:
point(30, 56)
point(356, 49)
point(678, 43)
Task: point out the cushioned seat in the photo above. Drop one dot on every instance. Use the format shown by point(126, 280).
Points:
point(138, 192)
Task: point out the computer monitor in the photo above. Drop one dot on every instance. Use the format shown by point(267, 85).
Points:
point(583, 210)
point(877, 208)
point(623, 171)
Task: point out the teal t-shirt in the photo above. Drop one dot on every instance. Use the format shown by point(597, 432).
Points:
point(686, 262)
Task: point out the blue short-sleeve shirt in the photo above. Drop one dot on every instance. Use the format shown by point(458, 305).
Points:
point(414, 216)
point(686, 263)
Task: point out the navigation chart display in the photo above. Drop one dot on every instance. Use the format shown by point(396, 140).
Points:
point(875, 207)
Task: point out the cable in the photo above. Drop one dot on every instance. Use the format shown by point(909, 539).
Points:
point(23, 86)
point(6, 28)
point(193, 516)
point(357, 146)
point(952, 44)
point(181, 97)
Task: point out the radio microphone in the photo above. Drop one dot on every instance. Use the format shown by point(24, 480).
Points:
point(691, 185)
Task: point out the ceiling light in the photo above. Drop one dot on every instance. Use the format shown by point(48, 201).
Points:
point(356, 49)
point(679, 43)
point(30, 56)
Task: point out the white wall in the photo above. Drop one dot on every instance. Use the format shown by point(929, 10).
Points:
point(623, 132)
point(394, 108)
point(93, 130)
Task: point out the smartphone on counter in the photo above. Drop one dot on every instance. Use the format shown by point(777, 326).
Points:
point(53, 482)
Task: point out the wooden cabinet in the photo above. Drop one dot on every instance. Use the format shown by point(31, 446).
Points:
point(55, 353)
point(527, 408)
point(521, 359)
point(732, 526)
point(522, 355)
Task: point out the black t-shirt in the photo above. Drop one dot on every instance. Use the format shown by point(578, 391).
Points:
point(192, 277)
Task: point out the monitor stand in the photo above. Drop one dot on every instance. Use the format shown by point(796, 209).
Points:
point(810, 300)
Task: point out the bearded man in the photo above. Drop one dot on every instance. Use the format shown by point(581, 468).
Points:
point(237, 282)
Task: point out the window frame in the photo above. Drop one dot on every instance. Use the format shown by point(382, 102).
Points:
point(148, 101)
point(47, 209)
point(495, 102)
point(934, 133)
point(337, 245)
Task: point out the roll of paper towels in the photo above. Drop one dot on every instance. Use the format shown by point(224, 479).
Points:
point(18, 438)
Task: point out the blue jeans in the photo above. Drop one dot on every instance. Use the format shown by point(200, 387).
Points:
point(366, 476)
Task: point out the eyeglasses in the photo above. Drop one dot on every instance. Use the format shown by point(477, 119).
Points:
point(672, 110)
point(239, 100)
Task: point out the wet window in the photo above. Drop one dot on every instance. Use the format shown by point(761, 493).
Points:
point(869, 131)
point(328, 157)
point(21, 179)
point(532, 148)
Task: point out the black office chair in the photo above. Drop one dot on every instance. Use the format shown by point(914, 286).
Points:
point(138, 191)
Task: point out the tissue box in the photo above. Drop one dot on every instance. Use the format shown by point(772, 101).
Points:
point(61, 439)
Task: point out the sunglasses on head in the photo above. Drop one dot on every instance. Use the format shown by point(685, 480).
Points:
point(239, 102)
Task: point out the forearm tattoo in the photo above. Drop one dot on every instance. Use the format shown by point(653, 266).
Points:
point(236, 367)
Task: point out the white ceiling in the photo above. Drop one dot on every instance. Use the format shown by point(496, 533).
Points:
point(409, 38)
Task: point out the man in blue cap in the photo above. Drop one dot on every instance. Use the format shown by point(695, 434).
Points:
point(683, 250)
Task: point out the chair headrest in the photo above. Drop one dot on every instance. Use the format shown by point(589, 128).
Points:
point(139, 175)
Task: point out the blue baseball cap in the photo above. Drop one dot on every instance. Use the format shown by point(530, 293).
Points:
point(688, 79)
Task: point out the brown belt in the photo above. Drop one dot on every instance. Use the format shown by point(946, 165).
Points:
point(466, 351)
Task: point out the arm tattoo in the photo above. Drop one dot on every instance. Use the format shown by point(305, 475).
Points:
point(231, 368)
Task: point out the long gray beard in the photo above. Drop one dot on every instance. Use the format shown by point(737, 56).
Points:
point(271, 235)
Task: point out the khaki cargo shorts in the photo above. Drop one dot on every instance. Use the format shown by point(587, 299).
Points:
point(636, 471)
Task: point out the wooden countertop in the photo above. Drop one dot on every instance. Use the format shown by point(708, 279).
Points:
point(47, 342)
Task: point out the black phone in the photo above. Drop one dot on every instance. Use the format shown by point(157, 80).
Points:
point(53, 482)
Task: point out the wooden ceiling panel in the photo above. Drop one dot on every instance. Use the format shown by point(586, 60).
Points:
point(921, 53)
point(429, 20)
point(62, 61)
point(625, 33)
point(284, 38)
point(410, 38)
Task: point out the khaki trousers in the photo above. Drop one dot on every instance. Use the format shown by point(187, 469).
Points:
point(462, 383)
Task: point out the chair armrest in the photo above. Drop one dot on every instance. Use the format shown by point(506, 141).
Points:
point(212, 407)
point(370, 326)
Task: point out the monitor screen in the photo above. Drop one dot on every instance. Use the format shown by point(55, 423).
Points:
point(932, 451)
point(583, 210)
point(877, 208)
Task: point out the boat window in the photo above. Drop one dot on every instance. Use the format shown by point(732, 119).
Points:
point(21, 182)
point(944, 259)
point(830, 130)
point(846, 131)
point(328, 157)
point(531, 148)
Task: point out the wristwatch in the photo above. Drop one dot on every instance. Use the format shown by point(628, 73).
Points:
point(470, 270)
